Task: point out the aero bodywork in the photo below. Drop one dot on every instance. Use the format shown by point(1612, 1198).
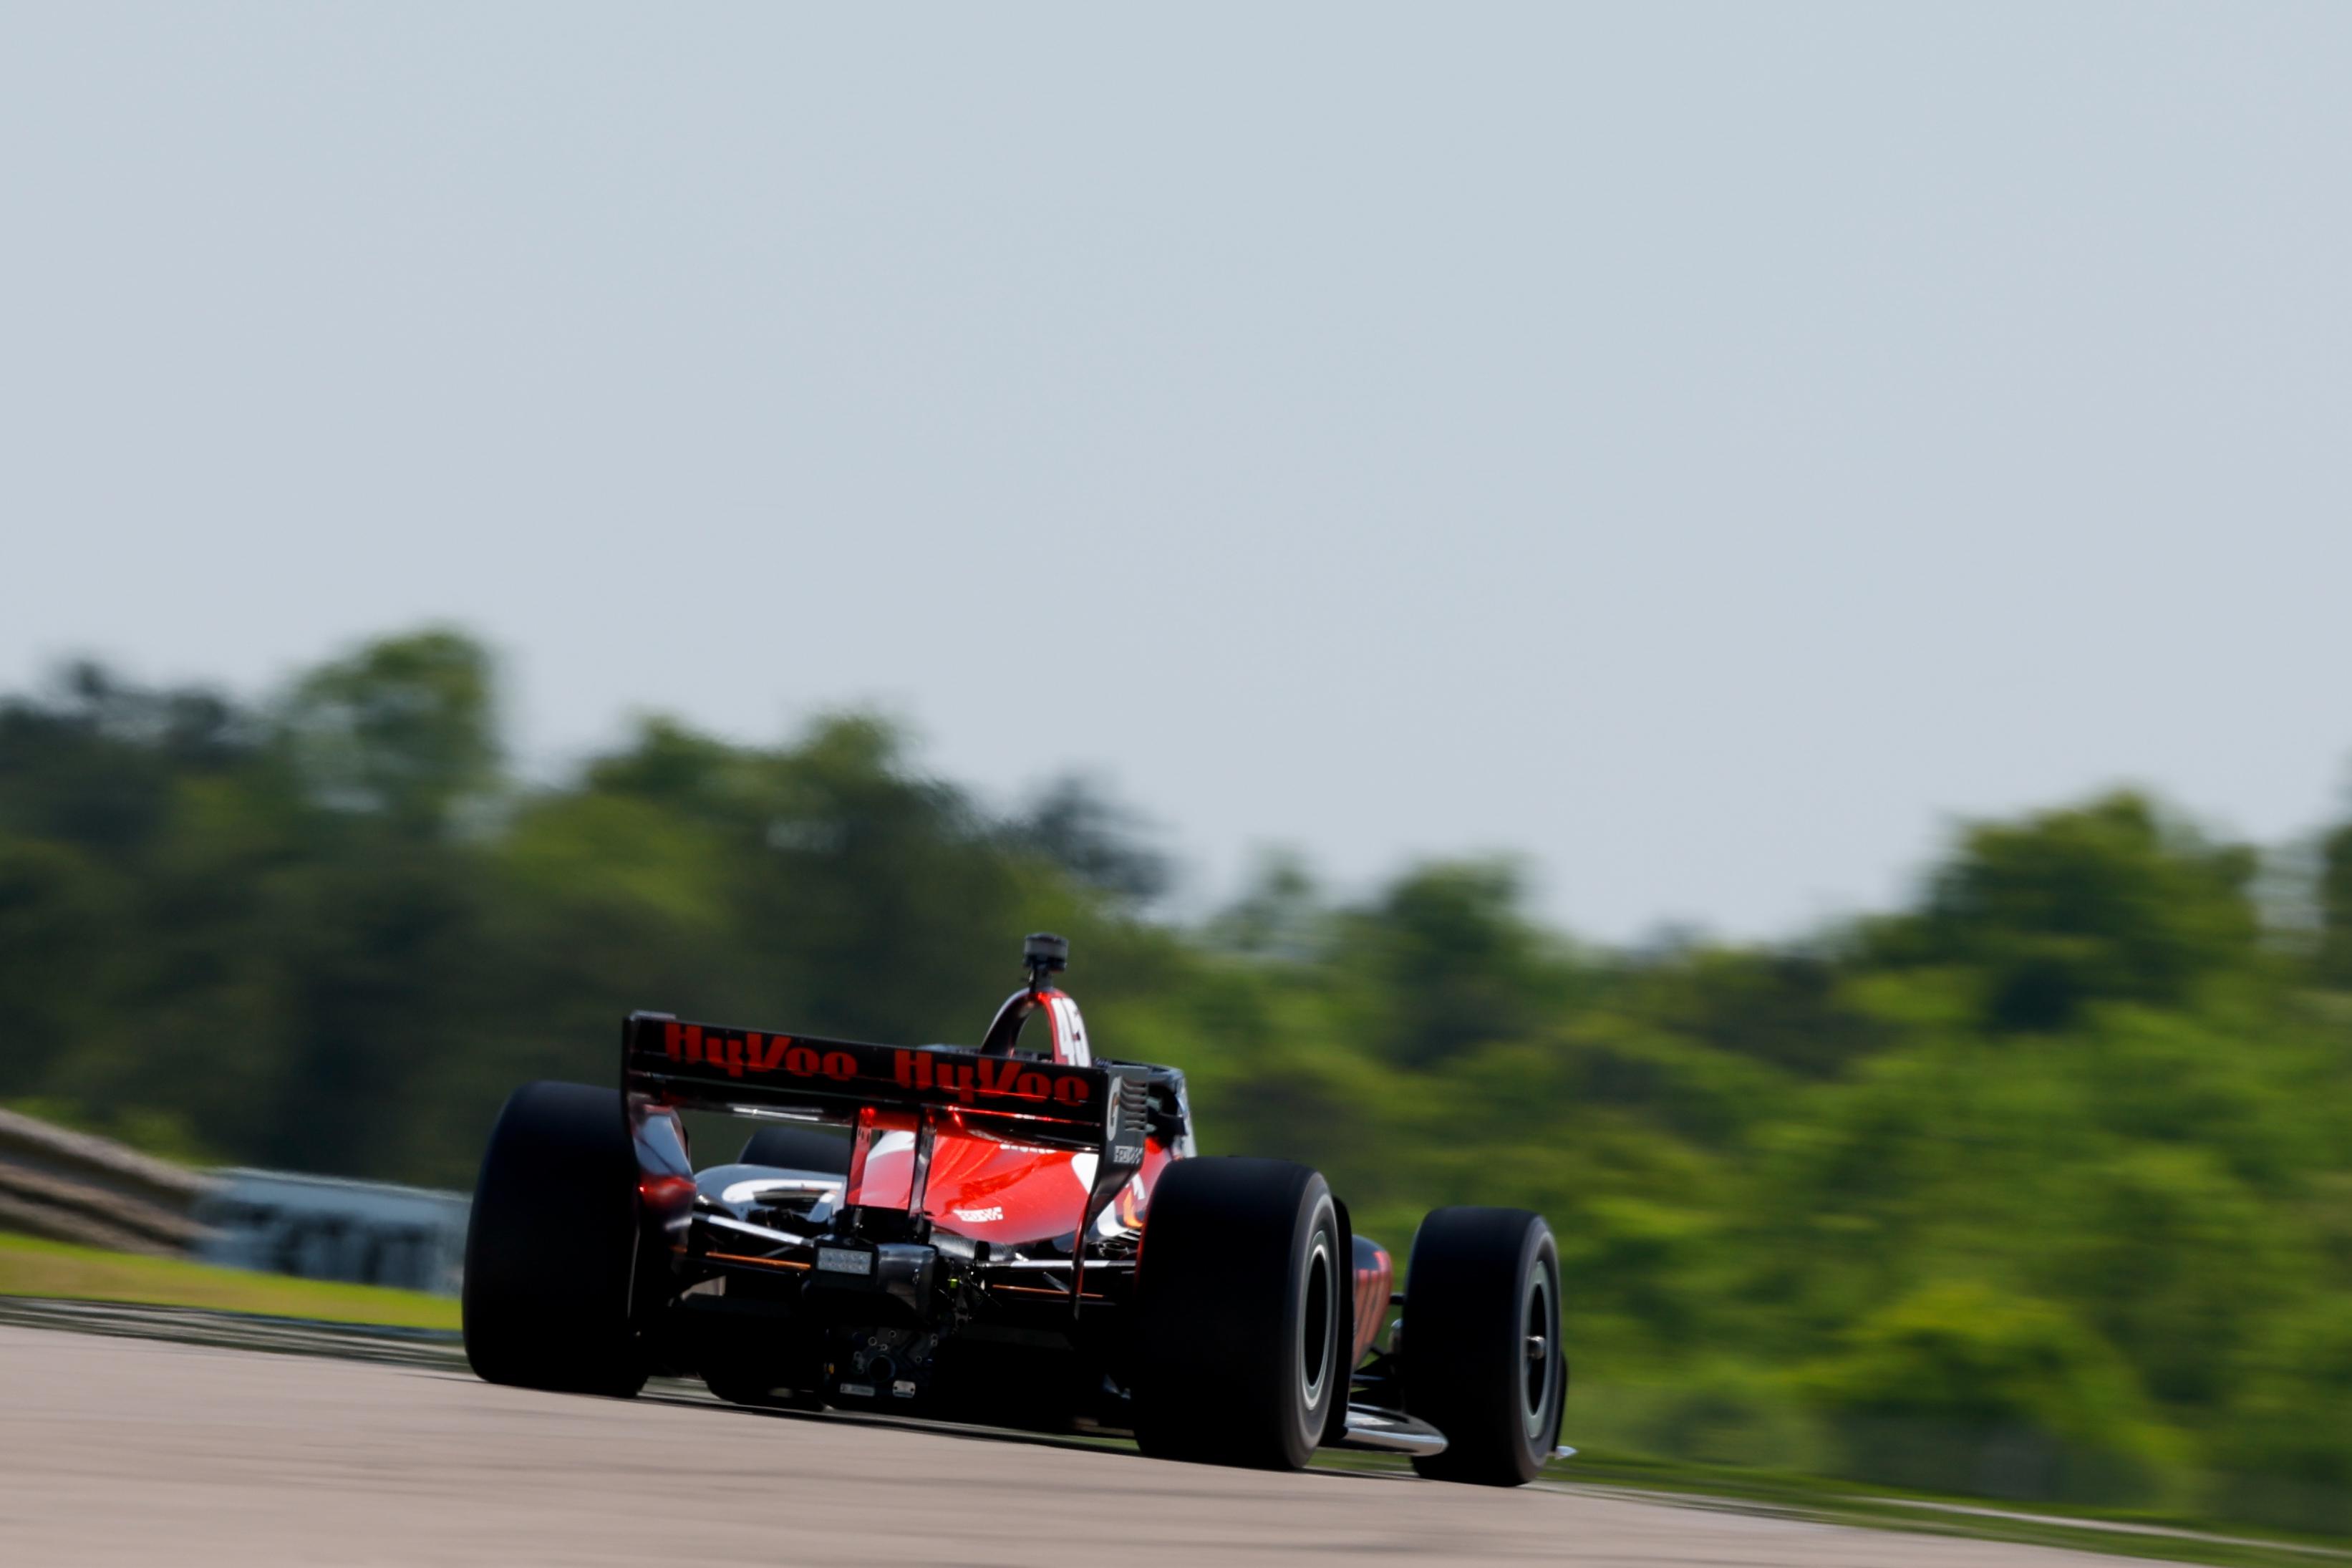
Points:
point(988, 1233)
point(992, 1197)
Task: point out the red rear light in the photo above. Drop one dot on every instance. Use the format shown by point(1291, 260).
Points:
point(663, 1192)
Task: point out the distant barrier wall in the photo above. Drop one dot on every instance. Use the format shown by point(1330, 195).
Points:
point(71, 1186)
point(320, 1227)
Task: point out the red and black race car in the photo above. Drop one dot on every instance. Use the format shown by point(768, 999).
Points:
point(1013, 1237)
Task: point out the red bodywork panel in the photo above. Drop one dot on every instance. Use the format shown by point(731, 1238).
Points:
point(1009, 1194)
point(1375, 1279)
point(1002, 1193)
point(993, 1188)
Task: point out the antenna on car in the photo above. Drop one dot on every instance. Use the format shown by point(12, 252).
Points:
point(1046, 954)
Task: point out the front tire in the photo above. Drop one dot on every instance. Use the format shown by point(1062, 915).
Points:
point(1482, 1356)
point(553, 1246)
point(1239, 1291)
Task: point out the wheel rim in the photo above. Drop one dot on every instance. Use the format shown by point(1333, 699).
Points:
point(1315, 1323)
point(1538, 1347)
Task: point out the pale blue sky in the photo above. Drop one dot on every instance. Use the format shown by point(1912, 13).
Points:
point(1703, 449)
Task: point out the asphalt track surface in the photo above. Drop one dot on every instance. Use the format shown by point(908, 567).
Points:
point(139, 1451)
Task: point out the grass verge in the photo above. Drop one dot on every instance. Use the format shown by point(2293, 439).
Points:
point(34, 1268)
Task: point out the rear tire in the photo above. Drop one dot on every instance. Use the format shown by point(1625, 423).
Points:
point(1481, 1353)
point(797, 1149)
point(1239, 1294)
point(553, 1246)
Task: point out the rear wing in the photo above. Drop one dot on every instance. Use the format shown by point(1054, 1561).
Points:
point(1103, 1108)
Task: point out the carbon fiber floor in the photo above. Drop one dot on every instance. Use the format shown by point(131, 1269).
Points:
point(135, 1451)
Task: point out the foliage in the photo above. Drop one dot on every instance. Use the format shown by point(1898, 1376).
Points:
point(1960, 1382)
point(2281, 1455)
point(2039, 1187)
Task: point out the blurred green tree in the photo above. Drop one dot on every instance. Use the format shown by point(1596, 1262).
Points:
point(2335, 907)
point(404, 727)
point(1962, 1380)
point(2104, 902)
point(1446, 959)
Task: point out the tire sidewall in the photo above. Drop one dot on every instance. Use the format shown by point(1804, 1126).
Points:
point(1483, 1281)
point(1226, 1293)
point(1316, 1244)
point(1541, 1430)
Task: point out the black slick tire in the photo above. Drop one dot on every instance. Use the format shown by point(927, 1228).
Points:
point(797, 1149)
point(1239, 1293)
point(553, 1246)
point(1481, 1352)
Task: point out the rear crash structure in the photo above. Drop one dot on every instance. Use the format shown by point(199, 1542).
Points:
point(1009, 1237)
